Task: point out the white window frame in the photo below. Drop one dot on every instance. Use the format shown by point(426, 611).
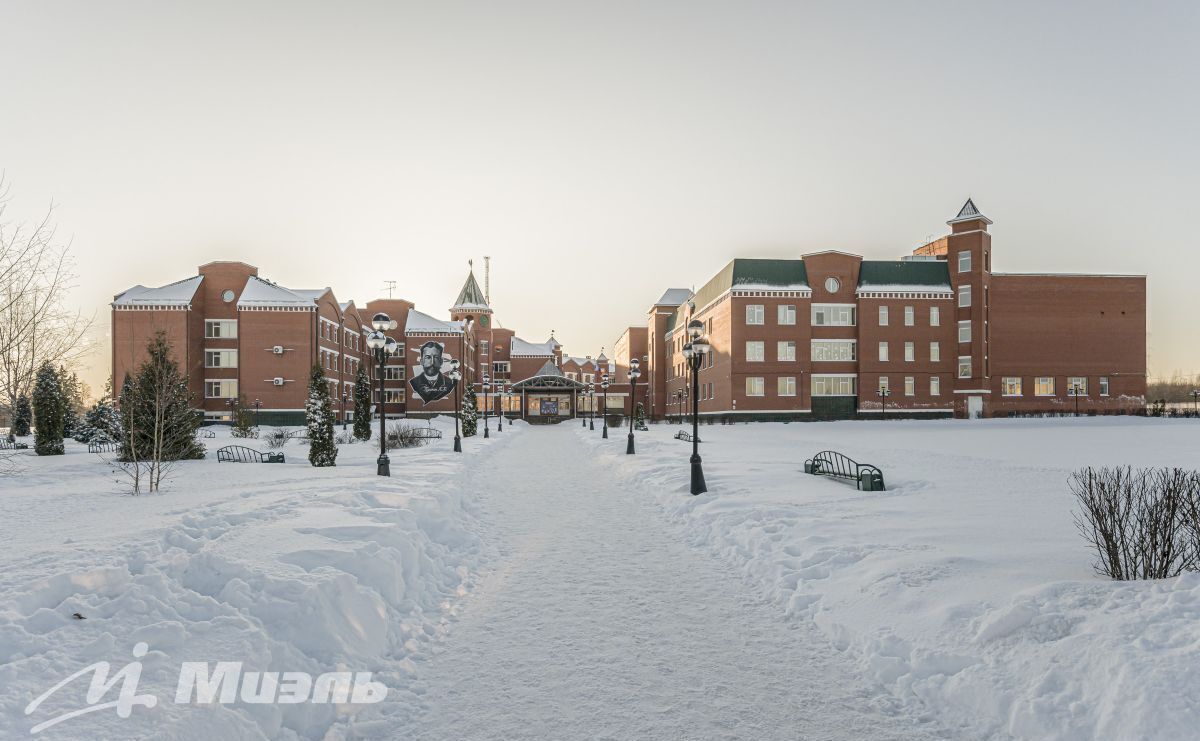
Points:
point(965, 360)
point(1081, 380)
point(964, 331)
point(1040, 382)
point(1009, 383)
point(935, 386)
point(786, 386)
point(935, 352)
point(210, 323)
point(910, 316)
point(910, 352)
point(883, 315)
point(756, 314)
point(847, 315)
point(756, 351)
point(814, 344)
point(818, 381)
point(785, 350)
point(910, 385)
point(221, 384)
point(785, 314)
point(935, 316)
point(964, 261)
point(1104, 387)
point(883, 351)
point(884, 384)
point(220, 352)
point(964, 296)
point(756, 386)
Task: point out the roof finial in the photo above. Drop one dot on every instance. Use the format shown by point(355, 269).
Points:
point(471, 265)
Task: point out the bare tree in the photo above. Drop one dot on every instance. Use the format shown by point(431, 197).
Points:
point(35, 324)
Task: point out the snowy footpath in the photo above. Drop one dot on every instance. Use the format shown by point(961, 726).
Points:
point(596, 623)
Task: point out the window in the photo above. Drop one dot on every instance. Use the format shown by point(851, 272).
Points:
point(787, 314)
point(910, 316)
point(1044, 386)
point(964, 367)
point(910, 352)
point(964, 262)
point(393, 396)
point(883, 351)
point(220, 329)
point(501, 368)
point(910, 385)
point(785, 350)
point(589, 377)
point(787, 386)
point(573, 375)
point(220, 389)
point(755, 351)
point(1077, 386)
point(935, 352)
point(484, 348)
point(964, 331)
point(220, 359)
point(1104, 385)
point(755, 314)
point(832, 285)
point(935, 386)
point(964, 296)
point(884, 384)
point(834, 350)
point(393, 372)
point(832, 315)
point(883, 316)
point(755, 386)
point(1011, 386)
point(834, 385)
point(935, 316)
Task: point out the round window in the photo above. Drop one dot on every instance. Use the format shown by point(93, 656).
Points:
point(227, 296)
point(832, 285)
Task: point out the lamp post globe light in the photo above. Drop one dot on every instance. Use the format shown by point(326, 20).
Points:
point(456, 376)
point(257, 407)
point(604, 411)
point(884, 392)
point(694, 351)
point(634, 374)
point(485, 384)
point(501, 394)
point(383, 346)
point(591, 397)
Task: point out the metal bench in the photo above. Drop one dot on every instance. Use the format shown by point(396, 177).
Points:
point(831, 463)
point(686, 436)
point(103, 446)
point(207, 433)
point(6, 445)
point(241, 454)
point(425, 433)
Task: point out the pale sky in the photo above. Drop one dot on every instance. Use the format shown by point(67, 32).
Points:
point(601, 152)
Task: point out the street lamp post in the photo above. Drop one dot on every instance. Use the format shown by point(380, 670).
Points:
point(884, 393)
point(383, 346)
point(694, 351)
point(604, 411)
point(501, 394)
point(257, 407)
point(344, 399)
point(456, 376)
point(634, 374)
point(591, 394)
point(487, 384)
point(583, 420)
point(1075, 389)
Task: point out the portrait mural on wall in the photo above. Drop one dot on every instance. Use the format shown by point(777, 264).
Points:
point(430, 381)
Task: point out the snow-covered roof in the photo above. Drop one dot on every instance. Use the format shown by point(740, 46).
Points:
point(419, 321)
point(260, 292)
point(178, 293)
point(674, 297)
point(536, 349)
point(578, 361)
point(969, 212)
point(903, 288)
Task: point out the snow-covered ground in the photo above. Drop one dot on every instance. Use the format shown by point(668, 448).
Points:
point(545, 585)
point(964, 589)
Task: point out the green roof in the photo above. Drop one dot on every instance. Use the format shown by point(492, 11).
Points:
point(931, 273)
point(749, 272)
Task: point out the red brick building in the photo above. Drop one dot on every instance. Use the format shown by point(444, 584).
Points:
point(937, 333)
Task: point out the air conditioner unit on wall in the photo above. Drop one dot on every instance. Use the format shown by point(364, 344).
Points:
point(277, 381)
point(278, 349)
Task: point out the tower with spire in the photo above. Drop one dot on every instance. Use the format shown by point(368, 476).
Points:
point(472, 303)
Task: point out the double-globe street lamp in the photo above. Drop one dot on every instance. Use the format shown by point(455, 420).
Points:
point(384, 348)
point(694, 351)
point(884, 393)
point(456, 376)
point(591, 395)
point(486, 385)
point(604, 411)
point(501, 395)
point(634, 374)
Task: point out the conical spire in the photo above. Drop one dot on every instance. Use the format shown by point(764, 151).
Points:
point(471, 297)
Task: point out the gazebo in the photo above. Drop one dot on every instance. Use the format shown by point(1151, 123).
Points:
point(549, 396)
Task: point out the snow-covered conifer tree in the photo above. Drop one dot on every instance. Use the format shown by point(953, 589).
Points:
point(470, 412)
point(318, 410)
point(22, 416)
point(48, 412)
point(362, 404)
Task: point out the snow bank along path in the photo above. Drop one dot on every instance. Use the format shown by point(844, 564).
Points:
point(598, 622)
point(964, 590)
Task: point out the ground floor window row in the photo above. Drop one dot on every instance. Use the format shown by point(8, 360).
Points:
point(839, 385)
point(1047, 386)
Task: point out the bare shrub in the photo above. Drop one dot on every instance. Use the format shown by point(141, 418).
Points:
point(276, 438)
point(345, 438)
point(401, 435)
point(1142, 522)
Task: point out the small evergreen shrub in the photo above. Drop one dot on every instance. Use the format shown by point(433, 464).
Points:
point(362, 404)
point(48, 412)
point(318, 410)
point(22, 416)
